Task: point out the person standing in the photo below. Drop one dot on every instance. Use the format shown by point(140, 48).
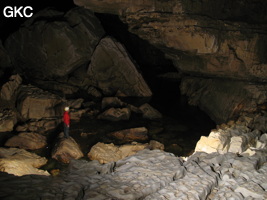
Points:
point(66, 121)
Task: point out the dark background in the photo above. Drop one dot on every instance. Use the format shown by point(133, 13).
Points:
point(9, 25)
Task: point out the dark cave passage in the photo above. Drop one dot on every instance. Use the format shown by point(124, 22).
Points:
point(181, 126)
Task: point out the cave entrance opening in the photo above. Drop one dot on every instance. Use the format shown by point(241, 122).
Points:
point(182, 125)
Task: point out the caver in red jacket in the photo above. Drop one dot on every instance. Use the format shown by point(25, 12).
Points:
point(66, 118)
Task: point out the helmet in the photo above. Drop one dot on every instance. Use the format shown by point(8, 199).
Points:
point(66, 108)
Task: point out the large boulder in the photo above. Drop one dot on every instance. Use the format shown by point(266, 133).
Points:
point(9, 88)
point(116, 114)
point(8, 119)
point(21, 162)
point(130, 135)
point(53, 44)
point(106, 153)
point(108, 102)
point(66, 149)
point(34, 103)
point(224, 100)
point(24, 140)
point(114, 72)
point(149, 112)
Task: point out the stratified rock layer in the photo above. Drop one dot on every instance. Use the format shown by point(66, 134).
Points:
point(150, 175)
point(201, 37)
point(224, 100)
point(211, 39)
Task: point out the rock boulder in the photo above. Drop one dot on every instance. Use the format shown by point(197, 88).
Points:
point(234, 138)
point(10, 87)
point(53, 44)
point(130, 135)
point(8, 120)
point(114, 72)
point(21, 162)
point(115, 114)
point(149, 112)
point(66, 149)
point(31, 141)
point(106, 153)
point(34, 103)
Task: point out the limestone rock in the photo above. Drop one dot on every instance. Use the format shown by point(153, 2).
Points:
point(223, 100)
point(149, 112)
point(108, 102)
point(31, 141)
point(20, 162)
point(112, 70)
point(66, 149)
point(116, 114)
point(75, 103)
point(238, 144)
point(39, 126)
point(209, 44)
point(10, 87)
point(34, 103)
point(218, 141)
point(94, 92)
point(106, 153)
point(149, 175)
point(77, 114)
point(46, 47)
point(8, 120)
point(233, 137)
point(156, 145)
point(63, 87)
point(130, 135)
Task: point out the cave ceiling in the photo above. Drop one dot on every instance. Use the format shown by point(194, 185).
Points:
point(207, 38)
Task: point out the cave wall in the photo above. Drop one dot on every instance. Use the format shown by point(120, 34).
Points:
point(221, 40)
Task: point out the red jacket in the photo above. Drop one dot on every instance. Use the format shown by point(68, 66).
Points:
point(66, 118)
